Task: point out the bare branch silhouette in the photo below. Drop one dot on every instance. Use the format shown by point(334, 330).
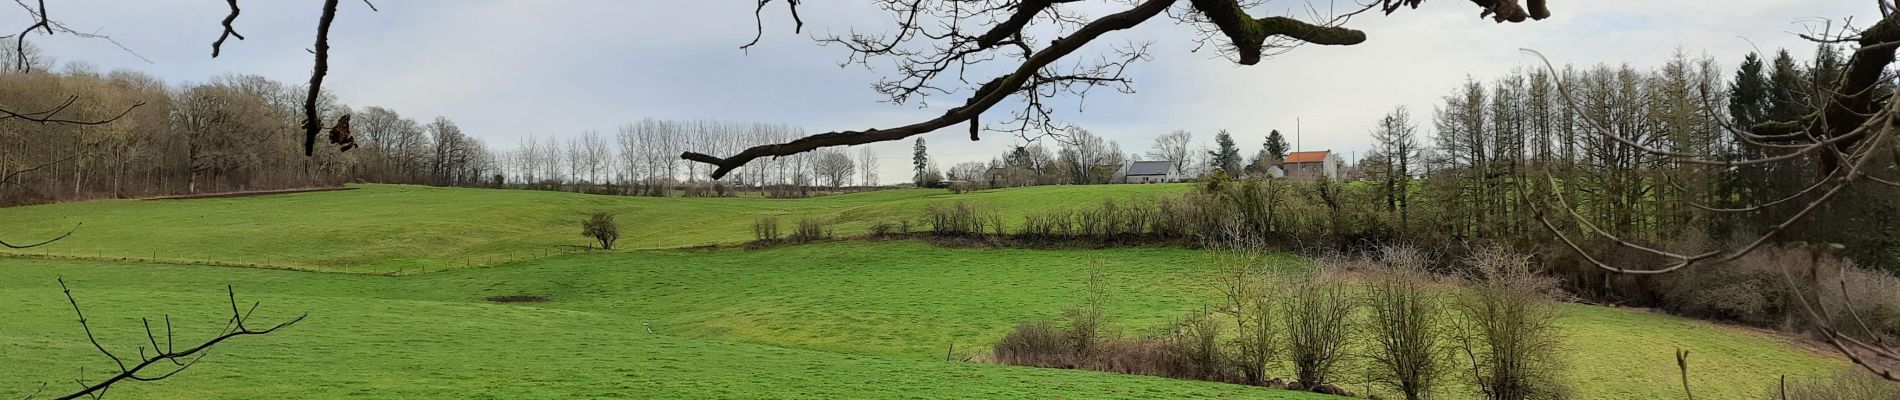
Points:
point(145, 368)
point(952, 48)
point(229, 31)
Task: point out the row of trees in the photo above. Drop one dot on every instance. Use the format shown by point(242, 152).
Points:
point(240, 133)
point(230, 133)
point(1504, 148)
point(1081, 157)
point(644, 156)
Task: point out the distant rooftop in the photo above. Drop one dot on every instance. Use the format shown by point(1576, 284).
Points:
point(1140, 168)
point(1307, 156)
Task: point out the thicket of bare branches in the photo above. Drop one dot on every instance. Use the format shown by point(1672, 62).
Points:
point(1508, 330)
point(1409, 323)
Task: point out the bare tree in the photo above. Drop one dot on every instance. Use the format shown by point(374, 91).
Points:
point(1851, 127)
point(867, 167)
point(594, 155)
point(834, 166)
point(1175, 147)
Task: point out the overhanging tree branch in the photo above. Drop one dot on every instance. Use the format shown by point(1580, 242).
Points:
point(984, 98)
point(229, 31)
point(1035, 77)
point(167, 353)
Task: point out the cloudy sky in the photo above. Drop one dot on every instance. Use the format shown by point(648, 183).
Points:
point(507, 69)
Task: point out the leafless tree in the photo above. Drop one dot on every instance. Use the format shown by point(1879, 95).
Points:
point(834, 166)
point(867, 167)
point(1175, 147)
point(1850, 137)
point(594, 155)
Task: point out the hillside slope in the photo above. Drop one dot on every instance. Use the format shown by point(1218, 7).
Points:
point(400, 228)
point(850, 319)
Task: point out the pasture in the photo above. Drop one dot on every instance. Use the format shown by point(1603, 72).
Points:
point(847, 319)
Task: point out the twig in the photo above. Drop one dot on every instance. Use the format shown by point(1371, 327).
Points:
point(180, 359)
point(229, 31)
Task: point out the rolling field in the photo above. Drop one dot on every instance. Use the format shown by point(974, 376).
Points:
point(832, 320)
point(399, 228)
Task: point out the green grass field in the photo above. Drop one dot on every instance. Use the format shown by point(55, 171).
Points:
point(392, 228)
point(833, 320)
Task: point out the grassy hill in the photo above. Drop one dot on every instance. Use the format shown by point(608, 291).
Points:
point(849, 319)
point(397, 228)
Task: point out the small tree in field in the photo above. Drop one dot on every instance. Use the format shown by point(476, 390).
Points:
point(602, 228)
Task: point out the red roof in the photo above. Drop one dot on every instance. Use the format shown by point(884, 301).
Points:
point(1306, 156)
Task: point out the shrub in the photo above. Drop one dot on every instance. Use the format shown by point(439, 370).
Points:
point(1245, 285)
point(810, 230)
point(602, 228)
point(1194, 343)
point(1172, 216)
point(882, 229)
point(1036, 344)
point(1852, 384)
point(1753, 289)
point(765, 229)
point(1508, 327)
point(959, 219)
point(1087, 320)
point(1315, 312)
point(1407, 320)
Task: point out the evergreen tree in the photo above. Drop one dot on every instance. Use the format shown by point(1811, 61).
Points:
point(1748, 93)
point(1225, 155)
point(1276, 145)
point(1787, 95)
point(920, 160)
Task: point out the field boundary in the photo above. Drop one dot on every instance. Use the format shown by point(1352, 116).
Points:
point(248, 193)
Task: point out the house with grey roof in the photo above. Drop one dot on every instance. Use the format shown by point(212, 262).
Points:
point(1151, 172)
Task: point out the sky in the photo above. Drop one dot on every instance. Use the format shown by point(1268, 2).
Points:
point(505, 70)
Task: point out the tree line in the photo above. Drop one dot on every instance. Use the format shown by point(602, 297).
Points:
point(240, 133)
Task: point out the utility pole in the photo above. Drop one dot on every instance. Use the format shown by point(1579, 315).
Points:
point(1297, 136)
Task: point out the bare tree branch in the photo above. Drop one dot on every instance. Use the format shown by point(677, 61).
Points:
point(312, 124)
point(1037, 79)
point(229, 31)
point(19, 46)
point(69, 232)
point(984, 98)
point(54, 25)
point(758, 17)
point(166, 353)
point(49, 116)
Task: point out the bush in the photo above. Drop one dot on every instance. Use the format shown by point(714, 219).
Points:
point(1753, 289)
point(1036, 344)
point(602, 228)
point(1247, 288)
point(881, 229)
point(1508, 327)
point(1087, 320)
point(810, 230)
point(1195, 345)
point(959, 219)
point(765, 229)
point(1852, 384)
point(1407, 320)
point(1315, 312)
